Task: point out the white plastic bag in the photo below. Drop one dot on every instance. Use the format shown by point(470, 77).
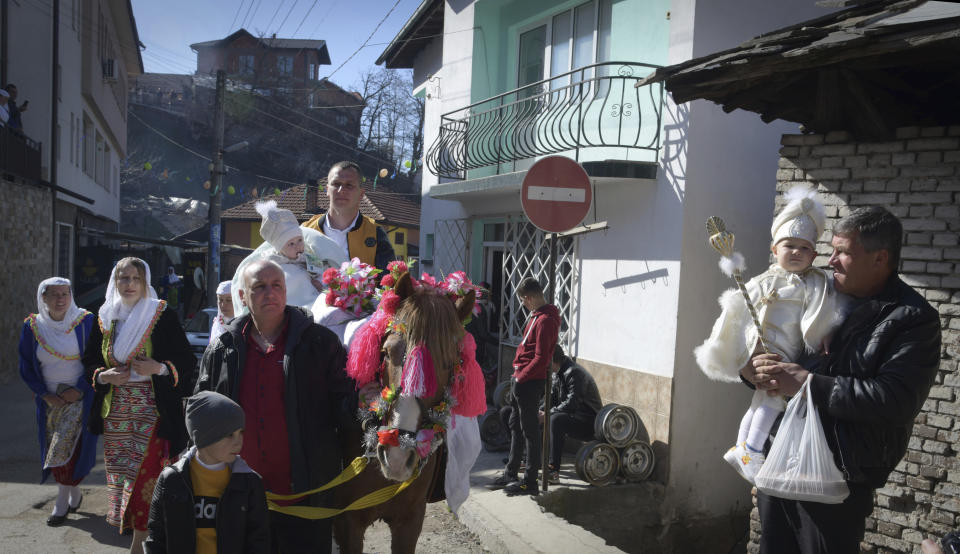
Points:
point(800, 465)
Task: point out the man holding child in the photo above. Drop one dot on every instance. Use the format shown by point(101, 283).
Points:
point(873, 382)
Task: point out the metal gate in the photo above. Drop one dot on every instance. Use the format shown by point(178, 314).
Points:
point(526, 254)
point(451, 246)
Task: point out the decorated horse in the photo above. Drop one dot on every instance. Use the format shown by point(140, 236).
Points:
point(421, 392)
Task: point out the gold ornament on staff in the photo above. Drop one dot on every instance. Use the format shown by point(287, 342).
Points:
point(732, 264)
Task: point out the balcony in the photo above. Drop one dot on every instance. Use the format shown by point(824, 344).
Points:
point(593, 107)
point(19, 154)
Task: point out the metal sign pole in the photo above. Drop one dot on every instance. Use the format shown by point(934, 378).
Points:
point(548, 384)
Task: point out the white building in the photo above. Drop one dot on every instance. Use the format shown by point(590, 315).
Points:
point(508, 81)
point(71, 60)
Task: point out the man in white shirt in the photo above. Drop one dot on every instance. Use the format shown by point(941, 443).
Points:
point(359, 236)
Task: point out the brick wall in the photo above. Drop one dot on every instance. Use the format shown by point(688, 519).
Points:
point(917, 177)
point(26, 248)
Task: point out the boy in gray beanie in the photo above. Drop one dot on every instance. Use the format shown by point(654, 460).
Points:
point(210, 500)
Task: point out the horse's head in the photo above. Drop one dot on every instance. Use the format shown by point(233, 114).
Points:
point(420, 353)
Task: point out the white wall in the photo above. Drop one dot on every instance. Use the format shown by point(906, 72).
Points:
point(729, 171)
point(449, 91)
point(73, 105)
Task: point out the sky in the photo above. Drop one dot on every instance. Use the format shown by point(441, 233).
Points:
point(168, 28)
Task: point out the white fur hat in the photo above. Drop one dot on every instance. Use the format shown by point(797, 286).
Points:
point(278, 226)
point(802, 218)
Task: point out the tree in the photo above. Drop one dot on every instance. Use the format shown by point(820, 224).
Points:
point(391, 125)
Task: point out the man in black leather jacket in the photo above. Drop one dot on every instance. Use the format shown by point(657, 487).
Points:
point(577, 401)
point(872, 384)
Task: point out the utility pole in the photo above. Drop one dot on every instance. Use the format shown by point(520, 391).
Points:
point(216, 193)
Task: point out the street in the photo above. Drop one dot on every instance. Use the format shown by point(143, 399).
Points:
point(24, 505)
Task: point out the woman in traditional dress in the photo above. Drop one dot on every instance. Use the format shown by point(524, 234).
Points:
point(140, 364)
point(50, 347)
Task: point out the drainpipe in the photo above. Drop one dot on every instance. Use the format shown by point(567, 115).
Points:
point(54, 118)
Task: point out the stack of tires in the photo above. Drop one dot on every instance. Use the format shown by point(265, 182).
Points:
point(618, 452)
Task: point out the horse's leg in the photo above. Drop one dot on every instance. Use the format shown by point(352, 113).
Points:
point(405, 531)
point(348, 532)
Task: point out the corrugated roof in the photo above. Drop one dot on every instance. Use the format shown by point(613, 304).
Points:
point(384, 208)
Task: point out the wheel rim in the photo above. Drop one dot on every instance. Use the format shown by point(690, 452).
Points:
point(619, 426)
point(597, 463)
point(502, 395)
point(637, 461)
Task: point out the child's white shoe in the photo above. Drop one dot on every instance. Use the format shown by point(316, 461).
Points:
point(733, 457)
point(752, 462)
point(745, 461)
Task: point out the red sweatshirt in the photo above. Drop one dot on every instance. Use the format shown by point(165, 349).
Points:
point(539, 339)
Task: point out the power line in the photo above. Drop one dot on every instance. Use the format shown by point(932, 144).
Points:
point(282, 23)
point(324, 18)
point(232, 23)
point(304, 18)
point(246, 15)
point(234, 168)
point(375, 29)
point(275, 12)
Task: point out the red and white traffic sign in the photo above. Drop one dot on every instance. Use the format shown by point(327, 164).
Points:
point(556, 194)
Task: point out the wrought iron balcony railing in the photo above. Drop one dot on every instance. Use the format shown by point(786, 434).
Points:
point(19, 154)
point(593, 106)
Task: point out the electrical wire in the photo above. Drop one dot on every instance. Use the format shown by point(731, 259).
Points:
point(275, 12)
point(232, 23)
point(234, 168)
point(284, 22)
point(314, 5)
point(357, 51)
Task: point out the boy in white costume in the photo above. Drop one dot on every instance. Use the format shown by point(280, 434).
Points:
point(797, 308)
point(302, 253)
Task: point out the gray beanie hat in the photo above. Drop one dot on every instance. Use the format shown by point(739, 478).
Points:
point(212, 416)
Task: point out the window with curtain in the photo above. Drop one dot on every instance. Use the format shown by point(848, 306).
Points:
point(578, 37)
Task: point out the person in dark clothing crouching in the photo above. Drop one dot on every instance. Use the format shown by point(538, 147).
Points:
point(209, 501)
point(577, 403)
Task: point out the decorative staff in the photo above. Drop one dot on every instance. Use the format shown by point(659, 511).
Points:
point(732, 265)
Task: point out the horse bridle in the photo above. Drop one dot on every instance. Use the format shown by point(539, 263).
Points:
point(429, 435)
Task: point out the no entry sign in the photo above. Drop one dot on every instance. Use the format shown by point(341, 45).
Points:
point(556, 194)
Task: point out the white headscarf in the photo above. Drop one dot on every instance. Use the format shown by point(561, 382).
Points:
point(217, 328)
point(58, 335)
point(137, 320)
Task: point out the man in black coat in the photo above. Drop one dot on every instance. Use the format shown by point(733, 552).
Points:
point(872, 384)
point(577, 403)
point(288, 375)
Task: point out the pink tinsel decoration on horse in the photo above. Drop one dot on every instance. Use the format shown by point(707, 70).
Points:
point(363, 360)
point(469, 391)
point(419, 374)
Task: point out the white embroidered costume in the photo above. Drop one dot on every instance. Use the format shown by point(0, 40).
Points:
point(319, 253)
point(797, 312)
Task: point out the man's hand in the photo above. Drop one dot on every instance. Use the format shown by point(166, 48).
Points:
point(540, 416)
point(53, 400)
point(114, 376)
point(775, 376)
point(317, 284)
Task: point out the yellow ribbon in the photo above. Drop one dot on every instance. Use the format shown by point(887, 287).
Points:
point(355, 468)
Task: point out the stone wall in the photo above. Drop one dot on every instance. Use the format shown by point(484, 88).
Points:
point(26, 251)
point(917, 177)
